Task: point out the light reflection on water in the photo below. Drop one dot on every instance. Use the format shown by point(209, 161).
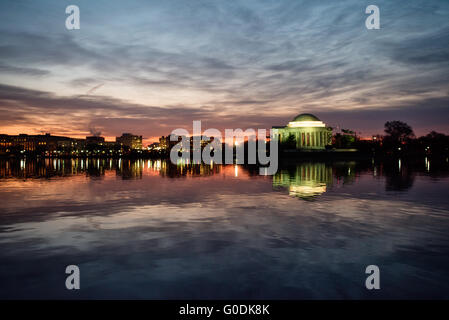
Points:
point(149, 229)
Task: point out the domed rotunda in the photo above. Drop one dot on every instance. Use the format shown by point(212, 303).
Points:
point(304, 132)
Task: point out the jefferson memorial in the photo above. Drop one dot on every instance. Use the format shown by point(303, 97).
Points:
point(305, 132)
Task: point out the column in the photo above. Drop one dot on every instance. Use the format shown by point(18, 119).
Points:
point(297, 140)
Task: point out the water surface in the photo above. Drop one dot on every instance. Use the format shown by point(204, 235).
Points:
point(146, 229)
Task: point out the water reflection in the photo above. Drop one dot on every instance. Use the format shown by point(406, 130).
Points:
point(124, 168)
point(305, 180)
point(400, 178)
point(152, 229)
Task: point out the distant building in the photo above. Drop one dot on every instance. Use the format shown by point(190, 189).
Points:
point(30, 143)
point(129, 140)
point(95, 140)
point(305, 132)
point(164, 142)
point(154, 146)
point(50, 145)
point(72, 144)
point(24, 142)
point(5, 143)
point(49, 142)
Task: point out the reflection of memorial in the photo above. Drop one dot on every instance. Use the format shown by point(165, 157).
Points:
point(306, 180)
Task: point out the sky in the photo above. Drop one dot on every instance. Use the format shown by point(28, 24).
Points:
point(148, 67)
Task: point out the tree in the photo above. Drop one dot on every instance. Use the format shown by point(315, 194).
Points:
point(398, 131)
point(348, 131)
point(291, 141)
point(346, 139)
point(435, 143)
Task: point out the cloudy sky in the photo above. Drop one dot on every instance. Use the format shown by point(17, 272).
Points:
point(148, 67)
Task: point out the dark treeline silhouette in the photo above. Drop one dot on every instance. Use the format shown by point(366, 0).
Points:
point(398, 140)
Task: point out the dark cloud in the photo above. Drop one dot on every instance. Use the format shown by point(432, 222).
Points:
point(292, 66)
point(23, 71)
point(426, 49)
point(42, 49)
point(83, 82)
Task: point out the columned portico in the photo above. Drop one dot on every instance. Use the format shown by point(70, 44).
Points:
point(305, 132)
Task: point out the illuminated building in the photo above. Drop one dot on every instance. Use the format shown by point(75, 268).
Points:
point(129, 140)
point(305, 132)
point(5, 143)
point(72, 144)
point(154, 146)
point(166, 144)
point(95, 140)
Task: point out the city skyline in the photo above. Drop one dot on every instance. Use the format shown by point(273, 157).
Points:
point(150, 67)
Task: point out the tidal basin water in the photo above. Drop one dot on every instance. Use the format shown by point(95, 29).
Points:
point(147, 229)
